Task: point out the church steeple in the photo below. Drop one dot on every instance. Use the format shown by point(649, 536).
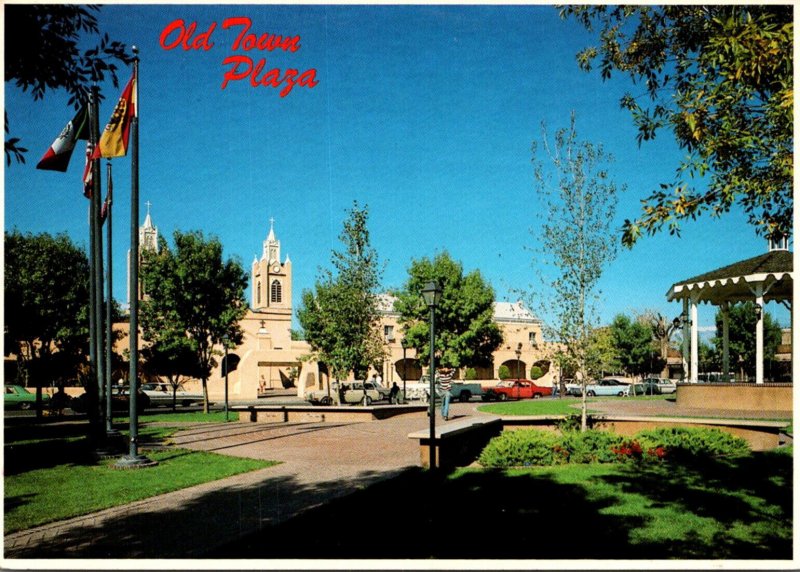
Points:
point(272, 246)
point(271, 280)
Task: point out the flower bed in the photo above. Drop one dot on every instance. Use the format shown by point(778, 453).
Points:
point(525, 448)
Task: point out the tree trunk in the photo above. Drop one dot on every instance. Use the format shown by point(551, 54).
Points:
point(205, 395)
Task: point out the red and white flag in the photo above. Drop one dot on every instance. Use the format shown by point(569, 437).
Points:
point(58, 155)
point(87, 172)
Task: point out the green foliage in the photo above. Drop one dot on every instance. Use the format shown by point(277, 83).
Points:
point(721, 79)
point(193, 299)
point(742, 337)
point(688, 442)
point(521, 449)
point(340, 316)
point(466, 334)
point(633, 342)
point(574, 188)
point(46, 301)
point(588, 446)
point(531, 447)
point(536, 372)
point(602, 355)
point(471, 374)
point(503, 372)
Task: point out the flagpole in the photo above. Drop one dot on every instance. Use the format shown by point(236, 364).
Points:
point(92, 393)
point(98, 278)
point(110, 431)
point(134, 459)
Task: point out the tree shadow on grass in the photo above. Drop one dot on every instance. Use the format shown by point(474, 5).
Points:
point(496, 515)
point(475, 516)
point(749, 498)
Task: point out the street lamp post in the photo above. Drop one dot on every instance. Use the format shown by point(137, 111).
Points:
point(225, 345)
point(432, 294)
point(404, 343)
point(519, 363)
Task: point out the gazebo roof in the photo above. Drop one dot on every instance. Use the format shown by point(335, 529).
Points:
point(735, 282)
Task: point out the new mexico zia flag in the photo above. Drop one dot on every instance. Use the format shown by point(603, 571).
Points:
point(114, 140)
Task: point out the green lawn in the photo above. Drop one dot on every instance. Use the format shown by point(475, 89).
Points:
point(725, 509)
point(534, 407)
point(182, 417)
point(50, 474)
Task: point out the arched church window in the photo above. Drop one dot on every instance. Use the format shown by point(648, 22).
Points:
point(275, 292)
point(258, 293)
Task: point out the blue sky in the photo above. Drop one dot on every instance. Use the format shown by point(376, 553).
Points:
point(424, 113)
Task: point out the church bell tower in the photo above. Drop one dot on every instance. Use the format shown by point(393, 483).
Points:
point(271, 279)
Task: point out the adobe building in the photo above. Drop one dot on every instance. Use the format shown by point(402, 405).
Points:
point(268, 359)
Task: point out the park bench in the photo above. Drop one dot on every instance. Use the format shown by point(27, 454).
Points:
point(457, 443)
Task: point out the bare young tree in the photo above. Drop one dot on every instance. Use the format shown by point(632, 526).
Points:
point(575, 240)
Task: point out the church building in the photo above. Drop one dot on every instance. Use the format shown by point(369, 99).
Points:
point(269, 359)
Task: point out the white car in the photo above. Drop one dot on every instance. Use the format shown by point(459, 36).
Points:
point(161, 394)
point(658, 386)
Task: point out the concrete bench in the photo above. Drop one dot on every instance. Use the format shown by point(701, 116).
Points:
point(457, 443)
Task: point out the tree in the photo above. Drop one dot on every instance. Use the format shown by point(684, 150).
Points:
point(44, 55)
point(721, 79)
point(340, 316)
point(602, 355)
point(663, 330)
point(174, 357)
point(192, 291)
point(742, 338)
point(633, 341)
point(575, 240)
point(47, 308)
point(466, 334)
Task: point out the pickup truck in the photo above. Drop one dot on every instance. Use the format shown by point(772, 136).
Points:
point(458, 390)
point(516, 389)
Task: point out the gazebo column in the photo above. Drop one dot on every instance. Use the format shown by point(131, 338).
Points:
point(685, 342)
point(695, 349)
point(726, 347)
point(759, 291)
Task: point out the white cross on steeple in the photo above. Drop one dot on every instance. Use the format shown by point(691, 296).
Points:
point(148, 204)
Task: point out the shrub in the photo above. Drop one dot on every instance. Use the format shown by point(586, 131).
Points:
point(591, 446)
point(536, 372)
point(533, 447)
point(470, 374)
point(691, 442)
point(520, 449)
point(503, 372)
point(543, 365)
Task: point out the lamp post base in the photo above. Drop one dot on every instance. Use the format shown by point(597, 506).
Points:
point(134, 462)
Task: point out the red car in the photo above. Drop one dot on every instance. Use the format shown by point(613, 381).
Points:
point(517, 389)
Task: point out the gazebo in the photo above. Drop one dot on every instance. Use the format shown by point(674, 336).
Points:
point(761, 279)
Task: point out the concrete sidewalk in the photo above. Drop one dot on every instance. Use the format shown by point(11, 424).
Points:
point(319, 462)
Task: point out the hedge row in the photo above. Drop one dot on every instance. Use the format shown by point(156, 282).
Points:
point(540, 448)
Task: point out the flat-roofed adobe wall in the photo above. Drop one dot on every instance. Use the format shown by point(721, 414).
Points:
point(775, 397)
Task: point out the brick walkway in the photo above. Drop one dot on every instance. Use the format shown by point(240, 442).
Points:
point(319, 462)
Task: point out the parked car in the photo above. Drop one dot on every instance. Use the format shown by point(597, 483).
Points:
point(322, 396)
point(120, 401)
point(516, 389)
point(655, 386)
point(606, 386)
point(354, 392)
point(161, 394)
point(17, 397)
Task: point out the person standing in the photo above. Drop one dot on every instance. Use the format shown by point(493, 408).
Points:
point(444, 385)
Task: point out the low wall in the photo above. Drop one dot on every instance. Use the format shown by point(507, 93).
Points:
point(320, 414)
point(766, 397)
